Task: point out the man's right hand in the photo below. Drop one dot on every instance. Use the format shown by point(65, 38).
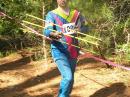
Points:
point(56, 35)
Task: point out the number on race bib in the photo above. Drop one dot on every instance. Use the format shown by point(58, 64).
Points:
point(69, 28)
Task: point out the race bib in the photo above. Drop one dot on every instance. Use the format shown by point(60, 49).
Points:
point(69, 28)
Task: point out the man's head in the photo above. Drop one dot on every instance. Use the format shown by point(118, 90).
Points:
point(62, 3)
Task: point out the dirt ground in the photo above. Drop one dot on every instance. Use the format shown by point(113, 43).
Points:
point(21, 77)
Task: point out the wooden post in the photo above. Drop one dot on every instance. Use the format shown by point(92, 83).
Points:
point(44, 41)
point(128, 39)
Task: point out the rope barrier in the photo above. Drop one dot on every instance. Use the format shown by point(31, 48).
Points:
point(83, 56)
point(89, 55)
point(63, 33)
point(62, 27)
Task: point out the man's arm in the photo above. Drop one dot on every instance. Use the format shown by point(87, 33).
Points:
point(49, 26)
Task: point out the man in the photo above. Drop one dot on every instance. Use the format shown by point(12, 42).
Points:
point(64, 54)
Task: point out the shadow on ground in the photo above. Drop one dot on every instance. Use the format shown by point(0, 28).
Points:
point(90, 63)
point(114, 90)
point(14, 64)
point(30, 82)
point(18, 90)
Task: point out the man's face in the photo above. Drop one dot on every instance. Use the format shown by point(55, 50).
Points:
point(62, 3)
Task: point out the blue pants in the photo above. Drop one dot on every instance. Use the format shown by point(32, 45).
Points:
point(66, 67)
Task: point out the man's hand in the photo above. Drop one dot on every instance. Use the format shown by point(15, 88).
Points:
point(56, 35)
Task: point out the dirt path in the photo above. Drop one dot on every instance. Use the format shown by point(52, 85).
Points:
point(19, 77)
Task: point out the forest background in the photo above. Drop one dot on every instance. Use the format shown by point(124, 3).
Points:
point(108, 20)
